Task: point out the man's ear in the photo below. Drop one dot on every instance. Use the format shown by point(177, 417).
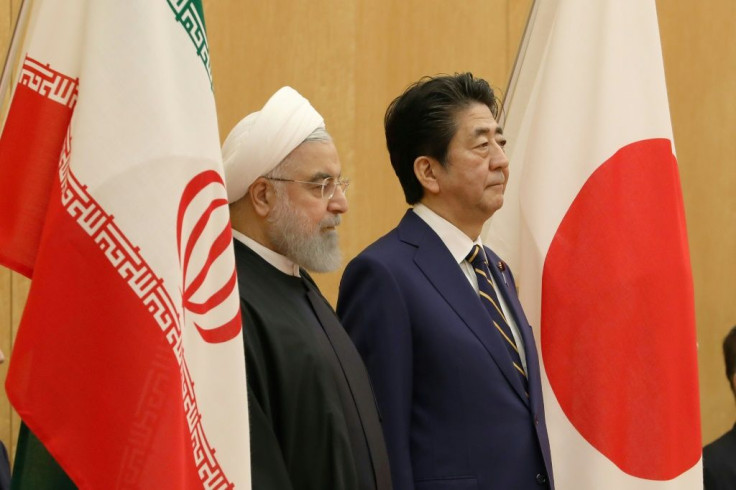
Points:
point(425, 169)
point(261, 196)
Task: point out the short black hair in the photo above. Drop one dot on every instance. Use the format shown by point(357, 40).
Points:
point(729, 356)
point(421, 122)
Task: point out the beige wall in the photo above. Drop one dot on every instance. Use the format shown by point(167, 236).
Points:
point(13, 287)
point(351, 57)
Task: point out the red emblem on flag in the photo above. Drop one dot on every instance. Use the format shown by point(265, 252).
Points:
point(200, 254)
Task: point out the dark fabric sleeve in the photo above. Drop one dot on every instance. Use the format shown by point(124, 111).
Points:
point(268, 469)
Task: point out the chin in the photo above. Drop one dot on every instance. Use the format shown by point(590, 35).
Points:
point(494, 205)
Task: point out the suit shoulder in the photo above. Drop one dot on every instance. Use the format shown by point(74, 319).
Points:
point(382, 250)
point(724, 445)
point(380, 264)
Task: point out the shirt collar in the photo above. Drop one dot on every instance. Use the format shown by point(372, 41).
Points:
point(457, 242)
point(282, 263)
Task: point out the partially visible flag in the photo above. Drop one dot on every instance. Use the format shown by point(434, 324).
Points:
point(594, 227)
point(129, 363)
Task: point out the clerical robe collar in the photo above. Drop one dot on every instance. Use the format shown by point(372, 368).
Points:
point(282, 263)
point(457, 242)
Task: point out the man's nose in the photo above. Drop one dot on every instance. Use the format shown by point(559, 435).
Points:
point(338, 203)
point(499, 161)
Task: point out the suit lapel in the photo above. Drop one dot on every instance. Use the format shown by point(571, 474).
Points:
point(440, 268)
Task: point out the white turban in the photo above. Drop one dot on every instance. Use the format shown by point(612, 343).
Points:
point(261, 140)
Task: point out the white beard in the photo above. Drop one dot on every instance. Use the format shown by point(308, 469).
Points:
point(309, 247)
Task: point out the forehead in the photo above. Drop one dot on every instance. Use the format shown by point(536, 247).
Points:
point(315, 158)
point(474, 120)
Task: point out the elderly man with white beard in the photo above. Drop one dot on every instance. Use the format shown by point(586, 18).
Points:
point(313, 419)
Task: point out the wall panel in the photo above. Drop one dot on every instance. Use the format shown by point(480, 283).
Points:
point(6, 310)
point(518, 13)
point(5, 346)
point(20, 287)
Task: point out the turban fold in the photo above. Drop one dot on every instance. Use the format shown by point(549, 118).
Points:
point(261, 140)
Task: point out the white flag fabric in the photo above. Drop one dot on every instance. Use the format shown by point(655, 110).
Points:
point(593, 226)
point(129, 362)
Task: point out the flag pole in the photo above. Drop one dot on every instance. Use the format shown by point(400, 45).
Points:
point(11, 57)
point(518, 61)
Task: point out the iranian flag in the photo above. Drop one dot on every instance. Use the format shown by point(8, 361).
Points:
point(594, 227)
point(128, 364)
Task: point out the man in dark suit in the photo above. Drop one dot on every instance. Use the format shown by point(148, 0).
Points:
point(719, 457)
point(435, 314)
point(313, 419)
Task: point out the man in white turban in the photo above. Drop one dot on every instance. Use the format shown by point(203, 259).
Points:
point(313, 419)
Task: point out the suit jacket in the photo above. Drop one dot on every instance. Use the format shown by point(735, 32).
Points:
point(719, 462)
point(455, 413)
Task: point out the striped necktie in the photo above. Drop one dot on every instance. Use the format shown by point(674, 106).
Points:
point(490, 300)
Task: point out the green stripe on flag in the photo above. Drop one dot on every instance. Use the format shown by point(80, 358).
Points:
point(190, 15)
point(35, 468)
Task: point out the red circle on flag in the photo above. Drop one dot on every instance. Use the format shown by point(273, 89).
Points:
point(618, 322)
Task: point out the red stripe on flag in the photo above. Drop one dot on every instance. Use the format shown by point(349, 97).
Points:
point(618, 320)
point(95, 309)
point(106, 391)
point(29, 156)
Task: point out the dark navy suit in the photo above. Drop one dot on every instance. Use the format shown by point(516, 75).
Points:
point(719, 462)
point(455, 413)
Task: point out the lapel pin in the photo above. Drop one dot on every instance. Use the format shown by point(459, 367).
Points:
point(502, 267)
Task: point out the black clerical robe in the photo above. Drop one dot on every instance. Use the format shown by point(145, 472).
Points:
point(313, 419)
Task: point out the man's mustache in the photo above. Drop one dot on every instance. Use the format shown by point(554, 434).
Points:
point(331, 221)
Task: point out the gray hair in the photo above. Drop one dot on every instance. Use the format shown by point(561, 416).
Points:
point(319, 134)
point(281, 170)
